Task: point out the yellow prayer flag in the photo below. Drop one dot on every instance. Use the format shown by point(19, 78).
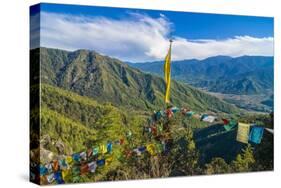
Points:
point(167, 74)
point(69, 160)
point(103, 149)
point(108, 160)
point(151, 149)
point(65, 173)
point(243, 132)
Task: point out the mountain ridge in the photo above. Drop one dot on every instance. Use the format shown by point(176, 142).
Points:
point(108, 79)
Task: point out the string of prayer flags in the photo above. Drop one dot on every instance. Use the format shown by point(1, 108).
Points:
point(243, 133)
point(231, 124)
point(256, 134)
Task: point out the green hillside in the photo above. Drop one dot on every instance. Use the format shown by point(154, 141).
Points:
point(109, 80)
point(241, 75)
point(88, 99)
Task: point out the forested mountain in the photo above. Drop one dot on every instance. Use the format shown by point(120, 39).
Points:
point(107, 79)
point(241, 75)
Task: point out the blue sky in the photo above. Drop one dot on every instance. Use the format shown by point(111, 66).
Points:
point(142, 35)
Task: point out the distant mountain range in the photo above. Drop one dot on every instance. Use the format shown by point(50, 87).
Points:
point(106, 79)
point(245, 75)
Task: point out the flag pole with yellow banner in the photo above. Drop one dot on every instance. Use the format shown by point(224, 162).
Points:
point(167, 73)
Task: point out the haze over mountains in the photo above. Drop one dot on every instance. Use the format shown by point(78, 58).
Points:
point(245, 75)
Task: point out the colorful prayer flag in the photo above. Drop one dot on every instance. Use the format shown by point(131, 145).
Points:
point(65, 173)
point(49, 166)
point(209, 119)
point(43, 170)
point(58, 177)
point(142, 149)
point(84, 169)
point(256, 134)
point(51, 178)
point(103, 149)
point(231, 124)
point(189, 113)
point(83, 156)
point(101, 162)
point(69, 160)
point(167, 74)
point(63, 164)
point(76, 157)
point(108, 160)
point(55, 165)
point(243, 133)
point(92, 166)
point(175, 109)
point(122, 141)
point(225, 121)
point(151, 149)
point(95, 151)
point(109, 147)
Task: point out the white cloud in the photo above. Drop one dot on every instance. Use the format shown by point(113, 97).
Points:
point(139, 38)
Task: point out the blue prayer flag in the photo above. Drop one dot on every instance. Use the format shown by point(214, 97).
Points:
point(109, 147)
point(43, 170)
point(101, 162)
point(76, 157)
point(58, 178)
point(256, 134)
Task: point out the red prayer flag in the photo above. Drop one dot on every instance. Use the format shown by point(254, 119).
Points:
point(225, 121)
